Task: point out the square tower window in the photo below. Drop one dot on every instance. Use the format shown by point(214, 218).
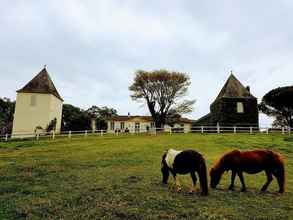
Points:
point(240, 108)
point(33, 100)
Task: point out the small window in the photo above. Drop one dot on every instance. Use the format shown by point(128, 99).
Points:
point(137, 126)
point(33, 100)
point(240, 108)
point(112, 125)
point(122, 125)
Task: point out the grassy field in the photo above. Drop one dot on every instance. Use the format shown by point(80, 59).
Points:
point(119, 178)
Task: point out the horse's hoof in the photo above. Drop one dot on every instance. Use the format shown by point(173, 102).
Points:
point(191, 191)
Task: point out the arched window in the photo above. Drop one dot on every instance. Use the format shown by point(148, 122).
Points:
point(240, 108)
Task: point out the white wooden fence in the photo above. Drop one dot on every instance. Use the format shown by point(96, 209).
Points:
point(153, 131)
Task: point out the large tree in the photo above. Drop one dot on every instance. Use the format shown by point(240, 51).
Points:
point(278, 103)
point(162, 91)
point(6, 115)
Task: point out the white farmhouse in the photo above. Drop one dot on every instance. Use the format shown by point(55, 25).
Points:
point(140, 124)
point(38, 103)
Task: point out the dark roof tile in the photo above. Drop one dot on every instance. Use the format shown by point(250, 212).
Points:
point(41, 83)
point(146, 118)
point(234, 89)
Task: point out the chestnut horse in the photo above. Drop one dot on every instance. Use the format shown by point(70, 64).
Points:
point(184, 162)
point(250, 162)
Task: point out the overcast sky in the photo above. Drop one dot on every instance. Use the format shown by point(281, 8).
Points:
point(93, 48)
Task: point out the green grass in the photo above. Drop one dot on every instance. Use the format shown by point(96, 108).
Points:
point(119, 178)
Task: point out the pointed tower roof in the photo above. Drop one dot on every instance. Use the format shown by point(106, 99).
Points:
point(233, 88)
point(41, 83)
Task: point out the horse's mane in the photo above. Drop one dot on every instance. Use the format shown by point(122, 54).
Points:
point(221, 161)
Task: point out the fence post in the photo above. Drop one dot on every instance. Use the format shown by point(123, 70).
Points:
point(250, 130)
point(6, 137)
point(170, 130)
point(235, 131)
point(85, 133)
point(69, 134)
point(202, 129)
point(101, 132)
point(53, 135)
point(289, 131)
point(283, 130)
point(267, 130)
point(218, 128)
point(38, 135)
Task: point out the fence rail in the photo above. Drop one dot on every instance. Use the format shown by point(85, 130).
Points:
point(152, 131)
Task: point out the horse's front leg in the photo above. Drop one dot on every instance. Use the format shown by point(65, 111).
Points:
point(233, 175)
point(177, 183)
point(194, 179)
point(240, 174)
point(269, 180)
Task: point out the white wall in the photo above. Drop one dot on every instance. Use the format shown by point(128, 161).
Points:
point(143, 125)
point(130, 125)
point(28, 117)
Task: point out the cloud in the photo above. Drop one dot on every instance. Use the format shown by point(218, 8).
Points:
point(93, 48)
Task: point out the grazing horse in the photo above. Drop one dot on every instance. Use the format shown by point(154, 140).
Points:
point(184, 162)
point(250, 162)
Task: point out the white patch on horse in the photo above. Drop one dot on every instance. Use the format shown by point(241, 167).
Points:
point(170, 157)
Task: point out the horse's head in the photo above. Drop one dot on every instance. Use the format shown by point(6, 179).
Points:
point(164, 169)
point(215, 176)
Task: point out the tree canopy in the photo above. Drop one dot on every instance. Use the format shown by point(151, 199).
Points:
point(101, 114)
point(6, 115)
point(75, 119)
point(278, 103)
point(162, 91)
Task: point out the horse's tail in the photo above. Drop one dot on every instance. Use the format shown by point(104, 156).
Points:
point(203, 177)
point(279, 171)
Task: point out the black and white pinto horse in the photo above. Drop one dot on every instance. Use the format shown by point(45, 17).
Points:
point(184, 162)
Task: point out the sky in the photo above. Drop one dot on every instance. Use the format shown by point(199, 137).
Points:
point(93, 48)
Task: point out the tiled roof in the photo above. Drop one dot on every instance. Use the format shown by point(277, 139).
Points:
point(145, 118)
point(127, 118)
point(41, 83)
point(234, 89)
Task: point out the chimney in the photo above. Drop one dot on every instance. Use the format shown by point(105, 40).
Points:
point(248, 88)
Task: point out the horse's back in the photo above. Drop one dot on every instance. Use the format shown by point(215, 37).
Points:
point(188, 161)
point(264, 155)
point(257, 160)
